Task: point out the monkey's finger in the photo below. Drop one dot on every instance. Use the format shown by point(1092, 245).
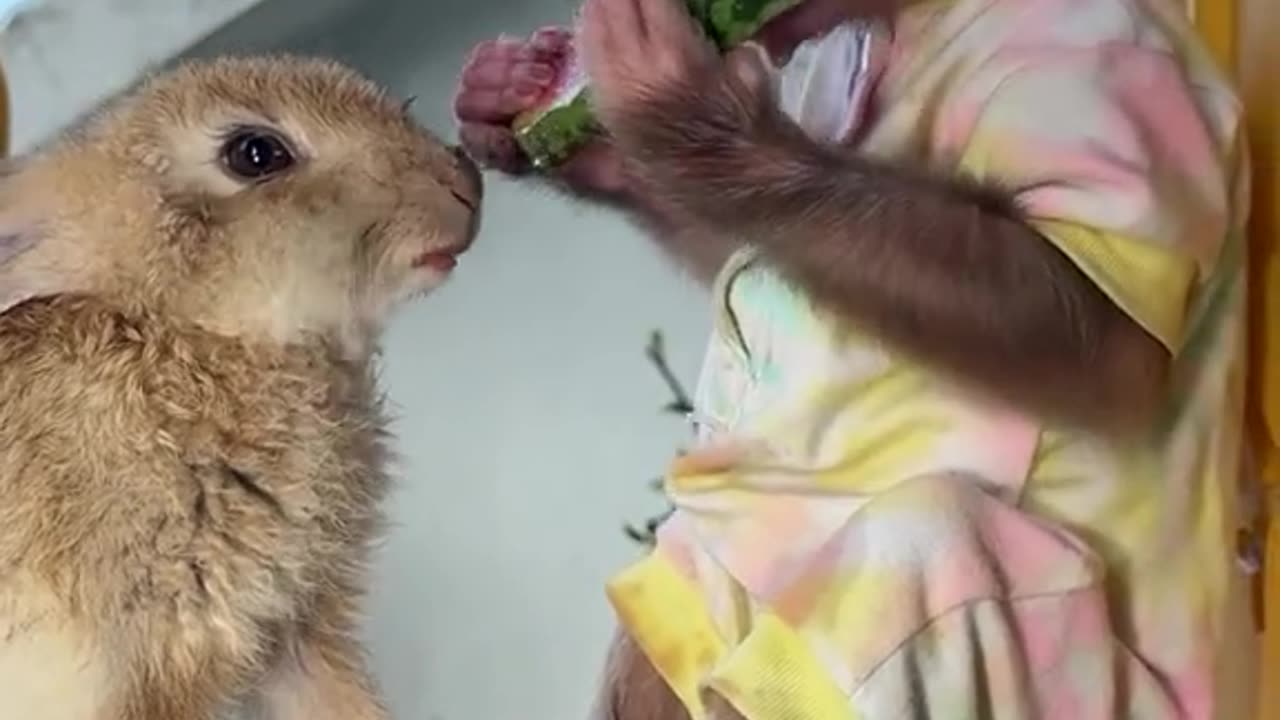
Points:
point(502, 73)
point(477, 106)
point(492, 146)
point(509, 50)
point(587, 23)
point(677, 44)
point(536, 73)
point(666, 19)
point(551, 39)
point(593, 37)
point(496, 107)
point(635, 21)
point(622, 29)
point(749, 64)
point(497, 47)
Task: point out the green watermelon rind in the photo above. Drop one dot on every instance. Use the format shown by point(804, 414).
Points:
point(729, 22)
point(548, 136)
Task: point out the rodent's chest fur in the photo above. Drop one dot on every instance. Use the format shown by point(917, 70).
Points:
point(148, 465)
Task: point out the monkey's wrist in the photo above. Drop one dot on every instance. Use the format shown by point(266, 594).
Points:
point(595, 171)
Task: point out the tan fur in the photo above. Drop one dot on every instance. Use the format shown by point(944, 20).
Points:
point(193, 441)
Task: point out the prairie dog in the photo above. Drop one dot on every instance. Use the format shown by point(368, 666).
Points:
point(193, 284)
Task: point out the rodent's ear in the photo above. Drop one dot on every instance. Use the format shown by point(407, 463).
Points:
point(15, 242)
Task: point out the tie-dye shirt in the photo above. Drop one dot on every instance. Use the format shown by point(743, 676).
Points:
point(856, 538)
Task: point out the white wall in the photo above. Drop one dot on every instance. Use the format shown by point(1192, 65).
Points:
point(530, 418)
point(63, 56)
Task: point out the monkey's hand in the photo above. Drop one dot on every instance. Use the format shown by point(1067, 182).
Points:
point(642, 55)
point(505, 77)
point(678, 113)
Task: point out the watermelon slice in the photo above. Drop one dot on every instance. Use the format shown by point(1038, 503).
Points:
point(562, 120)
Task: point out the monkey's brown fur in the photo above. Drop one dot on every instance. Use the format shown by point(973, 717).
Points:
point(631, 689)
point(943, 268)
point(192, 451)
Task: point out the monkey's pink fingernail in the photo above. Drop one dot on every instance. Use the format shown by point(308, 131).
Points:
point(541, 74)
point(551, 40)
point(526, 90)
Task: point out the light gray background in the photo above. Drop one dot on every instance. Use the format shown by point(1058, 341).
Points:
point(529, 418)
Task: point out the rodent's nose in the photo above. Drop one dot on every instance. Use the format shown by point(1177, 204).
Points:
point(467, 184)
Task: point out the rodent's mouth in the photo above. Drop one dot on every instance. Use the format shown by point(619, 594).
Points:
point(442, 260)
point(465, 222)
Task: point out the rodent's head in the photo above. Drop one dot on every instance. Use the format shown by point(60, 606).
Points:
point(278, 197)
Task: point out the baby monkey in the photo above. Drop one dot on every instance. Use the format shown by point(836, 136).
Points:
point(943, 269)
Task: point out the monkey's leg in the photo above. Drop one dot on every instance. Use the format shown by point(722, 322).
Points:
point(633, 690)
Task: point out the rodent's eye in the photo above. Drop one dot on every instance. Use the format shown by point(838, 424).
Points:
point(255, 154)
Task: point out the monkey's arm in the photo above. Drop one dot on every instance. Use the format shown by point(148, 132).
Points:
point(946, 270)
point(596, 176)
